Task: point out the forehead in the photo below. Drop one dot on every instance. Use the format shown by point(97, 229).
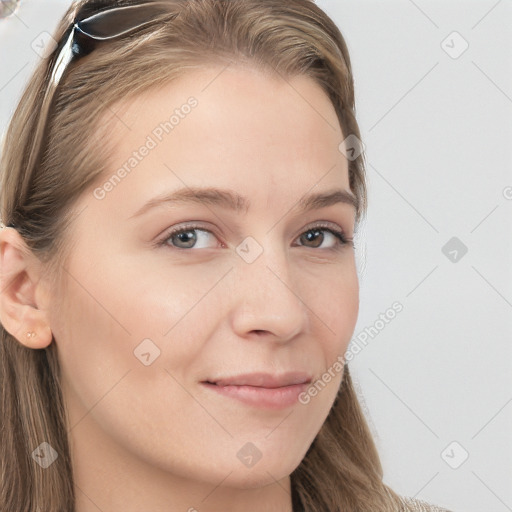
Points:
point(233, 127)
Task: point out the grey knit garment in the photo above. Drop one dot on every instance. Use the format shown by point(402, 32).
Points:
point(412, 504)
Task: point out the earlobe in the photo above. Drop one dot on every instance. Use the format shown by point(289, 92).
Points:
point(20, 276)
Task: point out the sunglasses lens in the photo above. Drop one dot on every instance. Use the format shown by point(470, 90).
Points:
point(7, 7)
point(113, 23)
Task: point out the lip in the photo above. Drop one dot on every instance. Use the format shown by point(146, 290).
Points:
point(262, 390)
point(263, 379)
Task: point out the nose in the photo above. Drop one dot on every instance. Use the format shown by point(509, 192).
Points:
point(266, 300)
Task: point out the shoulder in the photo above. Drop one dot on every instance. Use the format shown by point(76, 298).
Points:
point(415, 505)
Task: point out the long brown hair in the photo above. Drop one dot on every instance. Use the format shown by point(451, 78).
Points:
point(341, 470)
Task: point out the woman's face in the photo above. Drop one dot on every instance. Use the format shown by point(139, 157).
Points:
point(149, 317)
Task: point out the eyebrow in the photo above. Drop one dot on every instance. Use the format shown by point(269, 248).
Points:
point(233, 201)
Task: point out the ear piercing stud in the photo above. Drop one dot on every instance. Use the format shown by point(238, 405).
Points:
point(31, 334)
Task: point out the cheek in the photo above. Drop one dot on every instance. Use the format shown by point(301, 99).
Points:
point(336, 310)
point(105, 315)
point(347, 310)
point(92, 337)
point(335, 307)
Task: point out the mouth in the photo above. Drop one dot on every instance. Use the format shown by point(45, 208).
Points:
point(262, 390)
point(263, 380)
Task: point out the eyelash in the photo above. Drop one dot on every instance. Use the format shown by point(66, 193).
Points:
point(340, 236)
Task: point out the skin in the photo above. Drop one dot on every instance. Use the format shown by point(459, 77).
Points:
point(152, 437)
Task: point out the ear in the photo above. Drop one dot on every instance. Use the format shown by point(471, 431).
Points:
point(22, 295)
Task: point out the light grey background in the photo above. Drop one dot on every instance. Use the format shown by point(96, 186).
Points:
point(437, 127)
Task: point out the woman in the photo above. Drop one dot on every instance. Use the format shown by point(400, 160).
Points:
point(179, 285)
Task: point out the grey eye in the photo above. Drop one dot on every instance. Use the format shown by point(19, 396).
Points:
point(7, 7)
